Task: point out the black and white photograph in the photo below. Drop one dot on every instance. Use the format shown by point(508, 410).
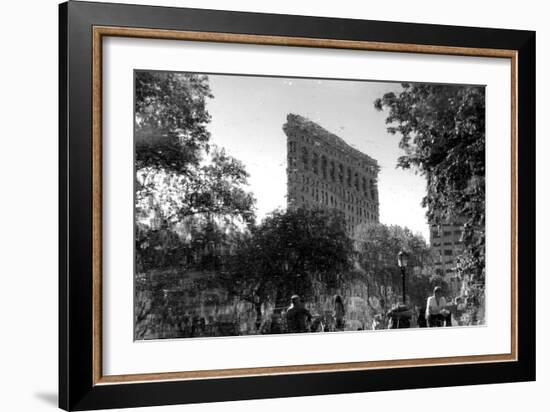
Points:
point(275, 205)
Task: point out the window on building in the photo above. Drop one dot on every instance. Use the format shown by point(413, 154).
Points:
point(447, 252)
point(315, 163)
point(305, 158)
point(291, 161)
point(332, 171)
point(372, 189)
point(356, 181)
point(324, 167)
point(348, 180)
point(447, 233)
point(292, 147)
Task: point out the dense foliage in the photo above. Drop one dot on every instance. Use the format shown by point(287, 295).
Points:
point(442, 129)
point(170, 120)
point(188, 192)
point(287, 251)
point(378, 246)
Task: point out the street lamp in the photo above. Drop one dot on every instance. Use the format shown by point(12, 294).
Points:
point(402, 261)
point(401, 314)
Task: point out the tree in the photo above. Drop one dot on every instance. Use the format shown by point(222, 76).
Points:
point(378, 246)
point(170, 135)
point(216, 188)
point(182, 182)
point(170, 120)
point(286, 252)
point(442, 130)
point(157, 248)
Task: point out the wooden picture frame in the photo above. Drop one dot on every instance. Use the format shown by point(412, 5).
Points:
point(82, 28)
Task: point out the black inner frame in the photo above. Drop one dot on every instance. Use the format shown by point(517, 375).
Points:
point(76, 389)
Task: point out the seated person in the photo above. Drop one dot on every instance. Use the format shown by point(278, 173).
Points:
point(436, 313)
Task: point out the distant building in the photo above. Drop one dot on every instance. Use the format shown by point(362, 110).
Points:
point(324, 171)
point(446, 244)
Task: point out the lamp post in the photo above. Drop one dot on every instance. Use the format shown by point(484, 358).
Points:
point(402, 261)
point(401, 315)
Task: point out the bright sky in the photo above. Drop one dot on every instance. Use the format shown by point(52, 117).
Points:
point(247, 118)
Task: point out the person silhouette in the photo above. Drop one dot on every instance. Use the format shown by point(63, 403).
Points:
point(297, 316)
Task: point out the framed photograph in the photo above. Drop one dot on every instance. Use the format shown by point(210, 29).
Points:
point(257, 206)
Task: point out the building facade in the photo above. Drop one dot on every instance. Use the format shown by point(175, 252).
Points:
point(446, 244)
point(324, 171)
